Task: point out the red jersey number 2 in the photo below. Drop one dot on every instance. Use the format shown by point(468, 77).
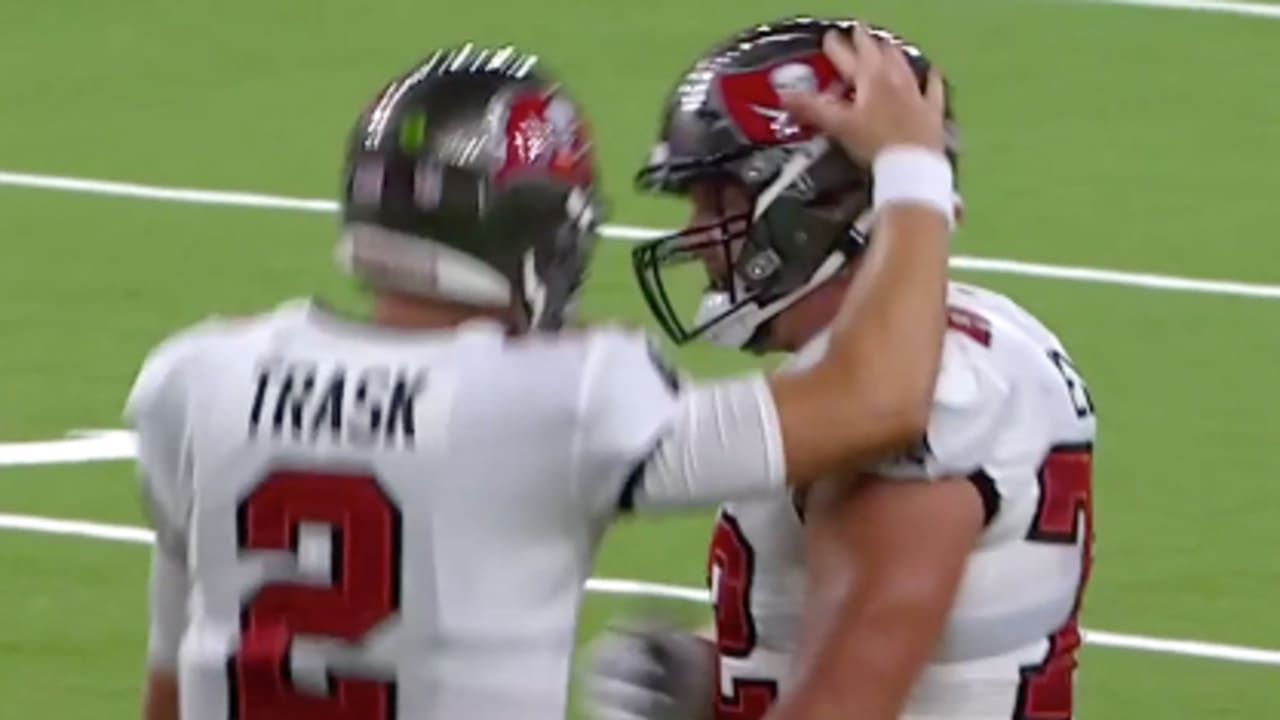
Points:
point(363, 591)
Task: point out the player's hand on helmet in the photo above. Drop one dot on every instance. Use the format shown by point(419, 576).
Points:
point(650, 671)
point(886, 107)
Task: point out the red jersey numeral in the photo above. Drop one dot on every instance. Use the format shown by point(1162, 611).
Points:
point(977, 327)
point(1064, 513)
point(363, 591)
point(730, 570)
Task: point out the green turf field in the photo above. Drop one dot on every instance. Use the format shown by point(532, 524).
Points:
point(1122, 138)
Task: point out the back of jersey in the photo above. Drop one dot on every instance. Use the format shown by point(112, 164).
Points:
point(374, 524)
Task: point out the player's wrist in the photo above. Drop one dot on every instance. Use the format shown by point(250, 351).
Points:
point(915, 176)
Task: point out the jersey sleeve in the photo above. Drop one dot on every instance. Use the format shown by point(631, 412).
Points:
point(654, 443)
point(724, 444)
point(628, 400)
point(971, 401)
point(158, 410)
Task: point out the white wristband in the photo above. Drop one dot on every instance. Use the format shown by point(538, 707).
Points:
point(913, 175)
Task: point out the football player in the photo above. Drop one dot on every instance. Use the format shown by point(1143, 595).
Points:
point(941, 582)
point(394, 516)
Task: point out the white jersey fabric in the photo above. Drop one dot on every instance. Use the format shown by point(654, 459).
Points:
point(355, 522)
point(1011, 414)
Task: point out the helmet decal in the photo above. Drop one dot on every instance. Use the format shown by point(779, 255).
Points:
point(752, 97)
point(724, 130)
point(546, 132)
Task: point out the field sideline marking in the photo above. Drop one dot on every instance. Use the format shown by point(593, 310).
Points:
point(1220, 7)
point(615, 586)
point(1151, 281)
point(81, 446)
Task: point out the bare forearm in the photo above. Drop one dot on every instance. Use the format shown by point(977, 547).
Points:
point(883, 357)
point(864, 672)
point(891, 324)
point(887, 338)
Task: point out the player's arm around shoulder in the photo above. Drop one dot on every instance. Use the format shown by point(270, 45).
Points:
point(870, 394)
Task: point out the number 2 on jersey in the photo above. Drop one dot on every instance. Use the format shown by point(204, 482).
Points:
point(363, 590)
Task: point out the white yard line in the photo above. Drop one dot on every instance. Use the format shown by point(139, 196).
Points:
point(1150, 281)
point(615, 586)
point(76, 528)
point(88, 447)
point(1248, 9)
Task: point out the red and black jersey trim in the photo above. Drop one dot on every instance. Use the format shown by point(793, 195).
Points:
point(986, 487)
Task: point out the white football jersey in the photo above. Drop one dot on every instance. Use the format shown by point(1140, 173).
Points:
point(361, 523)
point(1011, 414)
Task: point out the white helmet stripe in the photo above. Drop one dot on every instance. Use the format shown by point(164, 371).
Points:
point(806, 154)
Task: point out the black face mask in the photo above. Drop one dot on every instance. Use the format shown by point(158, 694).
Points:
point(762, 255)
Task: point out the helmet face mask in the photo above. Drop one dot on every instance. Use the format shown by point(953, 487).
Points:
point(778, 235)
point(712, 249)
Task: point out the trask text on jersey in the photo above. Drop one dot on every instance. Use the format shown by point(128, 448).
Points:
point(296, 400)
